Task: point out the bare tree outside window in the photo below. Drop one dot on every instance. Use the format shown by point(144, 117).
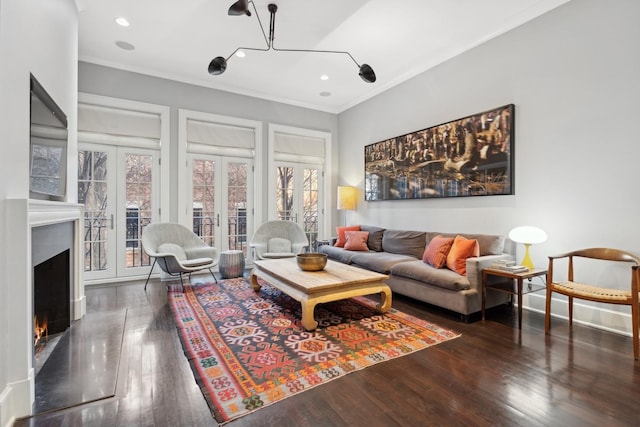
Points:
point(92, 192)
point(138, 198)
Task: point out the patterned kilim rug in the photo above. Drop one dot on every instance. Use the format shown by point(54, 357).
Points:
point(248, 350)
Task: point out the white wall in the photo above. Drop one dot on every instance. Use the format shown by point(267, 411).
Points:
point(105, 81)
point(39, 37)
point(574, 76)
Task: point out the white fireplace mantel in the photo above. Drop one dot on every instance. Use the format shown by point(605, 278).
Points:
point(44, 212)
point(22, 216)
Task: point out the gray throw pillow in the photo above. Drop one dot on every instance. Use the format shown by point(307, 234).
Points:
point(374, 242)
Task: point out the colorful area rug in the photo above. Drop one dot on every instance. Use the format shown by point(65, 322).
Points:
point(248, 350)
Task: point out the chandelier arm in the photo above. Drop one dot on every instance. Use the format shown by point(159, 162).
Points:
point(267, 41)
point(246, 48)
point(316, 51)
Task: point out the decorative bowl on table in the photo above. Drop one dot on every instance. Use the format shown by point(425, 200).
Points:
point(311, 261)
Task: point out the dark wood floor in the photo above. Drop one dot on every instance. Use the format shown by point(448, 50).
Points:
point(493, 375)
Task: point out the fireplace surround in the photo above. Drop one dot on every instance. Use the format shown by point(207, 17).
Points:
point(24, 216)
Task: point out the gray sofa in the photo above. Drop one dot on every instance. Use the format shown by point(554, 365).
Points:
point(398, 253)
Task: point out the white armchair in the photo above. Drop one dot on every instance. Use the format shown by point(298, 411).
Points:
point(279, 239)
point(177, 250)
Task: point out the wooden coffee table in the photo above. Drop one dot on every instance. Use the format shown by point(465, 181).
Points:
point(337, 281)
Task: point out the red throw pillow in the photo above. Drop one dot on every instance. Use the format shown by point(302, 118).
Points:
point(356, 240)
point(461, 250)
point(435, 254)
point(341, 230)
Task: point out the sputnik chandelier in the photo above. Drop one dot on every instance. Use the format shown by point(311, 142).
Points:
point(218, 64)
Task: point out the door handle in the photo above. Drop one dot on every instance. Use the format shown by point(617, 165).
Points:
point(111, 221)
point(218, 220)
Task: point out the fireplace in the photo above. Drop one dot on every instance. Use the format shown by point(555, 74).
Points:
point(51, 255)
point(38, 230)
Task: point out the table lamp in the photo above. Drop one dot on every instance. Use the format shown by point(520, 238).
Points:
point(528, 236)
point(347, 197)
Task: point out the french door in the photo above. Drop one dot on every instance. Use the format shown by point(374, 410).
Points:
point(299, 197)
point(119, 190)
point(219, 203)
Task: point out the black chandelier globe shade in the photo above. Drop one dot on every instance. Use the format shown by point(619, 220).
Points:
point(367, 74)
point(217, 66)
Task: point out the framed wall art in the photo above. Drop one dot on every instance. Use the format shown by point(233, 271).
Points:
point(471, 156)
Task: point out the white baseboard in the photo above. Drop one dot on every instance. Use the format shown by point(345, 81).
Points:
point(16, 400)
point(6, 419)
point(596, 316)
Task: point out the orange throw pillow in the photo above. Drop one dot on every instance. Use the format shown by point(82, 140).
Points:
point(461, 250)
point(341, 230)
point(356, 240)
point(435, 254)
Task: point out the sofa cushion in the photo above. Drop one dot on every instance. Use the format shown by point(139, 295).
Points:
point(341, 230)
point(374, 242)
point(440, 277)
point(462, 249)
point(404, 242)
point(435, 254)
point(380, 262)
point(338, 254)
point(489, 244)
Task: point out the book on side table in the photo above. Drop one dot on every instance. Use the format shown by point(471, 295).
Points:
point(508, 265)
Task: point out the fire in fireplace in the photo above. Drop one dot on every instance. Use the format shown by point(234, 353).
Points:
point(51, 297)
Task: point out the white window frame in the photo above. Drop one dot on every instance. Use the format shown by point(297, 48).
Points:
point(183, 157)
point(327, 197)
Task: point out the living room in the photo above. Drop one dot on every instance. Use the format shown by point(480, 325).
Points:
point(572, 74)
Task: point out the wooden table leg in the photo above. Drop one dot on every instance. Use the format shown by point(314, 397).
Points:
point(484, 291)
point(520, 303)
point(253, 279)
point(385, 301)
point(308, 322)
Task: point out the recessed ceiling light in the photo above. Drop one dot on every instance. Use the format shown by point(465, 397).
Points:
point(324, 77)
point(325, 93)
point(240, 54)
point(122, 21)
point(125, 45)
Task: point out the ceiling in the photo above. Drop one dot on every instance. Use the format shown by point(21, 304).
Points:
point(398, 39)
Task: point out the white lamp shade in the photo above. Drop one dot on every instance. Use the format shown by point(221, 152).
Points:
point(347, 197)
point(528, 235)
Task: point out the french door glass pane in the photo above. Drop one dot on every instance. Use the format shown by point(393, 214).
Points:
point(310, 205)
point(92, 192)
point(204, 200)
point(237, 205)
point(284, 193)
point(138, 173)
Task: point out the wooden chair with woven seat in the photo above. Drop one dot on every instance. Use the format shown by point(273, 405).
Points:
point(573, 289)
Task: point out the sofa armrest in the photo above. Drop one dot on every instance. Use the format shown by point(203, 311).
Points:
point(477, 264)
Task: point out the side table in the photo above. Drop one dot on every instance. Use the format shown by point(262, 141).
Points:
point(231, 264)
point(508, 286)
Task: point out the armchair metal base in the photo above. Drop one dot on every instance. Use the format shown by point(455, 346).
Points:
point(181, 273)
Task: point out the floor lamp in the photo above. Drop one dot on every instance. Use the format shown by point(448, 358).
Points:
point(347, 197)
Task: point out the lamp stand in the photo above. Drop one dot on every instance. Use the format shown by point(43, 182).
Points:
point(526, 261)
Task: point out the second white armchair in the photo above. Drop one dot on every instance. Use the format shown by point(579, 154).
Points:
point(279, 239)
